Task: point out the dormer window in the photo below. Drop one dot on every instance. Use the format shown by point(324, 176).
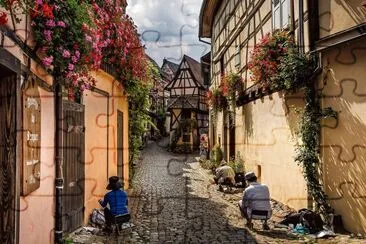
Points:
point(280, 14)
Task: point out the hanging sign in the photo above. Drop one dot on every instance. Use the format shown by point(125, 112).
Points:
point(31, 172)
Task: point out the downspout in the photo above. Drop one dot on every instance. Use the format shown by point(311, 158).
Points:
point(301, 26)
point(108, 137)
point(59, 182)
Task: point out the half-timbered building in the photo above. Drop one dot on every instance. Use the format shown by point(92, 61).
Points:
point(266, 124)
point(168, 70)
point(187, 103)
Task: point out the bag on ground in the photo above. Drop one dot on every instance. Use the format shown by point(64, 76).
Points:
point(97, 217)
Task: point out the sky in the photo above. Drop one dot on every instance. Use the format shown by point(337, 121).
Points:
point(168, 28)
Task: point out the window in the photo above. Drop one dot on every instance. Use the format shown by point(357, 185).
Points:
point(281, 14)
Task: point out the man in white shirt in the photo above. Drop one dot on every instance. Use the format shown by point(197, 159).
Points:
point(256, 201)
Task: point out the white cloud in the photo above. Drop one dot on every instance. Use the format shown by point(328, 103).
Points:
point(168, 28)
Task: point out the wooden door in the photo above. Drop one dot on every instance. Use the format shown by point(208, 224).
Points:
point(8, 83)
point(120, 138)
point(73, 165)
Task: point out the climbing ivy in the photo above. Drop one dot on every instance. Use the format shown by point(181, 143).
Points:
point(308, 151)
point(138, 98)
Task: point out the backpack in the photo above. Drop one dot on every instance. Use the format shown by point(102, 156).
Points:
point(311, 221)
point(97, 217)
point(307, 218)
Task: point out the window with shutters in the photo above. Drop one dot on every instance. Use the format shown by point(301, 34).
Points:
point(281, 14)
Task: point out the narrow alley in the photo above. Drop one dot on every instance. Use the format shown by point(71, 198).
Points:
point(173, 201)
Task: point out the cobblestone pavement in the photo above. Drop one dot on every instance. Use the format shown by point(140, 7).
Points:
point(174, 205)
point(174, 201)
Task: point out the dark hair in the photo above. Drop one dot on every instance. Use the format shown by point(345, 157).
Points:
point(252, 179)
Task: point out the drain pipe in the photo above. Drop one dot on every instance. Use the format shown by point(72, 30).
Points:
point(59, 182)
point(301, 26)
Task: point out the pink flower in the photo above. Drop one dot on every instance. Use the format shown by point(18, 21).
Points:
point(88, 38)
point(50, 23)
point(61, 24)
point(71, 67)
point(48, 35)
point(66, 54)
point(74, 59)
point(77, 53)
point(39, 2)
point(47, 61)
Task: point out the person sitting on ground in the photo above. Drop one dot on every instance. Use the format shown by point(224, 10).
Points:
point(225, 175)
point(256, 197)
point(115, 202)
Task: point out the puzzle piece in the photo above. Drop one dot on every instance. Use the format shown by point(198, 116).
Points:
point(160, 39)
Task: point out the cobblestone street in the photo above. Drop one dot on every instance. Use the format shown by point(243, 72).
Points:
point(172, 203)
point(173, 200)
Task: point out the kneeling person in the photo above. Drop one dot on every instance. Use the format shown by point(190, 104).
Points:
point(115, 202)
point(225, 175)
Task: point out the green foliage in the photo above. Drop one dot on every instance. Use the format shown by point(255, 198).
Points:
point(231, 84)
point(138, 98)
point(237, 164)
point(308, 152)
point(216, 155)
point(294, 70)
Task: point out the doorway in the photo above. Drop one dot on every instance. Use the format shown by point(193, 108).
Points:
point(8, 81)
point(73, 166)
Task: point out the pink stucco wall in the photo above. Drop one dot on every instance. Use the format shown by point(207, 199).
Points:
point(37, 209)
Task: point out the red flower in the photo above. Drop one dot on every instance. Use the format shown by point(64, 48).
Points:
point(47, 11)
point(3, 18)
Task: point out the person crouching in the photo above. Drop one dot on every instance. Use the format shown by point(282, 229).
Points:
point(115, 202)
point(225, 175)
point(256, 198)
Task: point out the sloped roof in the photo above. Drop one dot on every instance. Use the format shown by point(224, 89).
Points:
point(196, 69)
point(172, 65)
point(208, 11)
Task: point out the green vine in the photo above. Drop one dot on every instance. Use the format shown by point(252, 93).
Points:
point(308, 152)
point(138, 99)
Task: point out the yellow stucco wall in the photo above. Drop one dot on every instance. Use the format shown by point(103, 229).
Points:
point(339, 15)
point(264, 129)
point(344, 143)
point(96, 138)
